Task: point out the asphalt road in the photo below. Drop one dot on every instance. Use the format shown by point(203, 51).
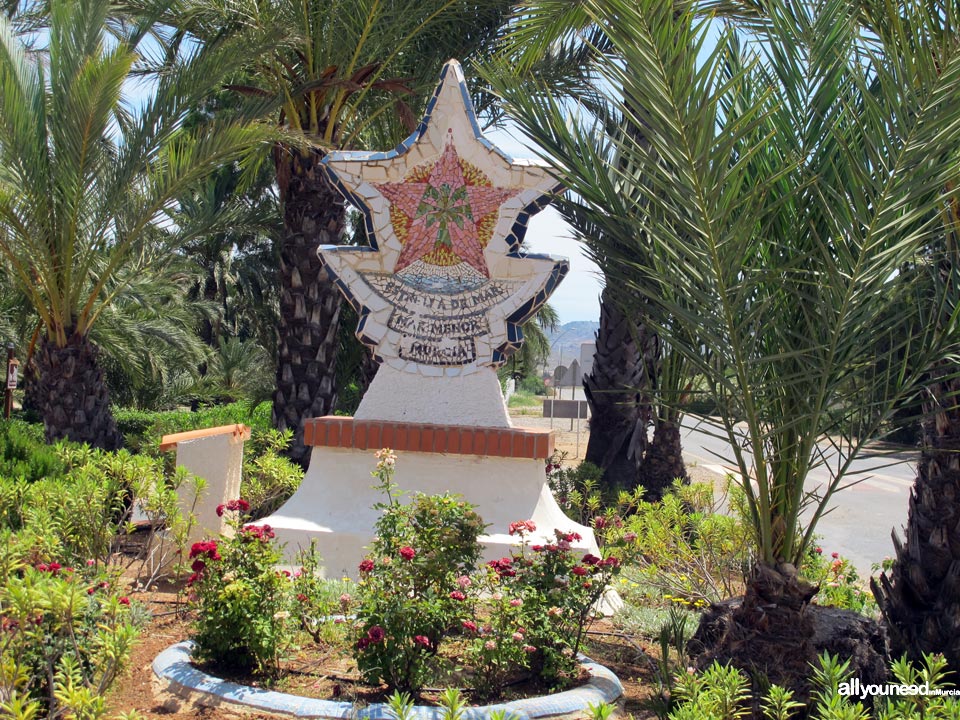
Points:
point(862, 516)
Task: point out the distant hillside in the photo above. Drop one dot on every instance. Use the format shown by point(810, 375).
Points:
point(565, 342)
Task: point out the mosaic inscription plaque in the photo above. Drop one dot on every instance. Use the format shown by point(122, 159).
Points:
point(444, 284)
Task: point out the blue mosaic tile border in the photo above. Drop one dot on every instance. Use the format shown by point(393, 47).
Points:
point(173, 665)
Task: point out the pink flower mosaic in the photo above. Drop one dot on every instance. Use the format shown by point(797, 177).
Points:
point(443, 214)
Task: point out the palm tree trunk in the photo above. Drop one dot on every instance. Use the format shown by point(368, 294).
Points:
point(313, 215)
point(615, 389)
point(72, 393)
point(663, 462)
point(920, 598)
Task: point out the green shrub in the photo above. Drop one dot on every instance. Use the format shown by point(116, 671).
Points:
point(722, 693)
point(408, 601)
point(24, 452)
point(694, 554)
point(269, 478)
point(243, 603)
point(577, 489)
point(533, 385)
point(143, 430)
point(65, 634)
point(82, 515)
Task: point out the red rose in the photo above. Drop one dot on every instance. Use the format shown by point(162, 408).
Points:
point(457, 595)
point(376, 634)
point(579, 570)
point(301, 597)
point(362, 643)
point(198, 566)
point(421, 640)
point(589, 559)
point(366, 565)
point(469, 625)
point(205, 547)
point(833, 555)
point(124, 600)
point(220, 509)
point(407, 552)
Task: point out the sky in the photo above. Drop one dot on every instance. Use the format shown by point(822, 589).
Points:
point(578, 296)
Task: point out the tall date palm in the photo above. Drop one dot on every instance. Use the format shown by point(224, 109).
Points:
point(82, 180)
point(790, 191)
point(342, 75)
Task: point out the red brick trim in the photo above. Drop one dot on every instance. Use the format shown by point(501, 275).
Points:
point(346, 432)
point(169, 442)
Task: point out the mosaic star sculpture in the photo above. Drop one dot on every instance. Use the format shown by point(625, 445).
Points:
point(444, 286)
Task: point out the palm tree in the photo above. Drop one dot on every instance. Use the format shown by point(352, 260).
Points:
point(789, 193)
point(626, 390)
point(919, 596)
point(81, 182)
point(342, 75)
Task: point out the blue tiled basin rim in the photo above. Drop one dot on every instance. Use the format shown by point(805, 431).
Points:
point(173, 665)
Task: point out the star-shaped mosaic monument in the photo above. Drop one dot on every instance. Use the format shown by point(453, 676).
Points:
point(444, 286)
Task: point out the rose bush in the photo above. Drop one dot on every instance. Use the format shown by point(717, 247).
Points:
point(243, 604)
point(523, 613)
point(410, 597)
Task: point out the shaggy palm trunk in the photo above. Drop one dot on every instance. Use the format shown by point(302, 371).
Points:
point(920, 598)
point(72, 393)
point(313, 215)
point(663, 461)
point(770, 632)
point(617, 389)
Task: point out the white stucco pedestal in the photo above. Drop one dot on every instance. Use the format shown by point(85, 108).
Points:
point(499, 470)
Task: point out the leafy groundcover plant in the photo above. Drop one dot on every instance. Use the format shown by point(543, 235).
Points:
point(723, 693)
